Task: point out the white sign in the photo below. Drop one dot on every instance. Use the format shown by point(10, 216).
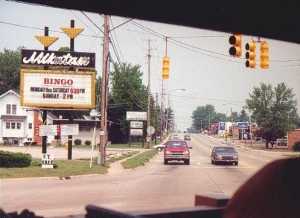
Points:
point(136, 132)
point(57, 89)
point(47, 161)
point(136, 115)
point(150, 130)
point(136, 124)
point(69, 129)
point(47, 130)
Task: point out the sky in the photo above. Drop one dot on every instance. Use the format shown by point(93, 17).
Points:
point(199, 59)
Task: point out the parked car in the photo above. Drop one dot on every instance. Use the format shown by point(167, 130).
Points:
point(159, 147)
point(187, 137)
point(176, 150)
point(224, 154)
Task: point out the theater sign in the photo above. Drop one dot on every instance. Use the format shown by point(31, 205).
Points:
point(57, 89)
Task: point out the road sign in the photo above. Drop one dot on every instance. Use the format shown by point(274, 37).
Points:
point(150, 130)
point(136, 124)
point(136, 115)
point(47, 130)
point(136, 132)
point(69, 129)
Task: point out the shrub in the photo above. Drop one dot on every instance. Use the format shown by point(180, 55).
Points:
point(10, 159)
point(87, 142)
point(296, 146)
point(77, 141)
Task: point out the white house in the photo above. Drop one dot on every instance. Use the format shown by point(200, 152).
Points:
point(16, 124)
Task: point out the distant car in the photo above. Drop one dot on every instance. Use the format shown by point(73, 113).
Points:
point(187, 137)
point(159, 147)
point(176, 150)
point(224, 154)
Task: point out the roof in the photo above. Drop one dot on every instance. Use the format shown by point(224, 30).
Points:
point(272, 19)
point(10, 92)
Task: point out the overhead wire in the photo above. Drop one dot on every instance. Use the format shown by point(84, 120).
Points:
point(42, 29)
point(116, 39)
point(208, 52)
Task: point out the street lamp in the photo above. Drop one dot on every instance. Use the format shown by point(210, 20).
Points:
point(168, 93)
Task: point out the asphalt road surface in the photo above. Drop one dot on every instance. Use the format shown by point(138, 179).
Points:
point(154, 186)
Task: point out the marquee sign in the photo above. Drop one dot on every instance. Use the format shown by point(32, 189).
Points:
point(57, 89)
point(57, 58)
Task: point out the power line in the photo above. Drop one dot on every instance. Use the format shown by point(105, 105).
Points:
point(86, 25)
point(42, 29)
point(114, 38)
point(92, 21)
point(188, 46)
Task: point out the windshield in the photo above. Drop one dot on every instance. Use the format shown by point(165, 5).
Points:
point(88, 101)
point(176, 143)
point(225, 150)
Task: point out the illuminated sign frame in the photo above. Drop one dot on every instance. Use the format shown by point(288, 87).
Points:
point(27, 103)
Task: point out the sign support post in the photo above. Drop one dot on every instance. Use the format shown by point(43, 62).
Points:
point(44, 112)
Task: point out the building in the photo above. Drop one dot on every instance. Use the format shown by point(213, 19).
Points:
point(293, 137)
point(19, 126)
point(16, 124)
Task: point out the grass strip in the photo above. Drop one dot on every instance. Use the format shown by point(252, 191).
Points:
point(139, 160)
point(64, 168)
point(121, 157)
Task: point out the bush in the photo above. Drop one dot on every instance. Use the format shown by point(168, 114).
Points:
point(10, 159)
point(77, 142)
point(296, 146)
point(87, 142)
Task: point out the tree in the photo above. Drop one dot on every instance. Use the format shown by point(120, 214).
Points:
point(10, 62)
point(204, 115)
point(274, 110)
point(243, 116)
point(127, 94)
point(64, 49)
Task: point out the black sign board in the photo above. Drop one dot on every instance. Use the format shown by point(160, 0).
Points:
point(58, 58)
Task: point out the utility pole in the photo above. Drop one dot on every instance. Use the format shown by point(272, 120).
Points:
point(156, 117)
point(104, 90)
point(148, 144)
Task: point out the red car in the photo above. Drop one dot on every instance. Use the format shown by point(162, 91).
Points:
point(176, 150)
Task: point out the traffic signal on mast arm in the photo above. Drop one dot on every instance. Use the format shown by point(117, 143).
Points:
point(264, 55)
point(250, 54)
point(236, 41)
point(166, 68)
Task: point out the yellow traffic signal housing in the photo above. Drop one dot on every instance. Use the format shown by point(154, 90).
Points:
point(250, 54)
point(236, 41)
point(264, 55)
point(166, 68)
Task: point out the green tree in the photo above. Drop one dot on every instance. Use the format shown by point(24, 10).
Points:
point(64, 49)
point(127, 94)
point(243, 116)
point(274, 110)
point(10, 62)
point(204, 115)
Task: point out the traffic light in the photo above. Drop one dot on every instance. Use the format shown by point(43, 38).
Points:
point(166, 68)
point(250, 54)
point(236, 41)
point(264, 55)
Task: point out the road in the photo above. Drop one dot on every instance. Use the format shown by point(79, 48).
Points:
point(154, 186)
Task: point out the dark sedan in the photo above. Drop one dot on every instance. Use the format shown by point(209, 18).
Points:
point(224, 154)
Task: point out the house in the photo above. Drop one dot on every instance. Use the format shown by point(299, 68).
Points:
point(18, 125)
